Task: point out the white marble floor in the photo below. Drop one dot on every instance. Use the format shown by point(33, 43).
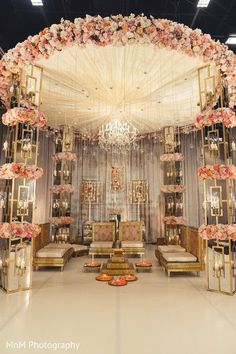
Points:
point(155, 315)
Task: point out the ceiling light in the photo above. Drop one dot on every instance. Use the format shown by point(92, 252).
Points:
point(203, 3)
point(231, 39)
point(37, 2)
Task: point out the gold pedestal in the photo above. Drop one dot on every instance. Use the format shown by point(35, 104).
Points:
point(118, 264)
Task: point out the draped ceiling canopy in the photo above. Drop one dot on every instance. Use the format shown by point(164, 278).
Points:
point(137, 69)
point(146, 86)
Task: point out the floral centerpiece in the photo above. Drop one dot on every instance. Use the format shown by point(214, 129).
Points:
point(217, 172)
point(20, 170)
point(213, 116)
point(174, 220)
point(68, 156)
point(219, 231)
point(172, 157)
point(173, 188)
point(24, 115)
point(117, 30)
point(61, 220)
point(61, 188)
point(15, 230)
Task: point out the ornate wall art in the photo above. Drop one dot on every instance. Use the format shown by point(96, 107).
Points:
point(117, 178)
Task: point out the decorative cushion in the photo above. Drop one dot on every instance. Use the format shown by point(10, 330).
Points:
point(179, 257)
point(106, 244)
point(171, 248)
point(58, 245)
point(135, 244)
point(49, 252)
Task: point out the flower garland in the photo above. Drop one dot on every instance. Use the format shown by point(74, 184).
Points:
point(217, 172)
point(213, 116)
point(61, 188)
point(24, 115)
point(61, 220)
point(174, 220)
point(173, 188)
point(117, 30)
point(13, 230)
point(20, 170)
point(219, 231)
point(68, 156)
point(172, 157)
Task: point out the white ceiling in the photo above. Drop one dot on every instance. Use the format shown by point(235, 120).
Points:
point(144, 85)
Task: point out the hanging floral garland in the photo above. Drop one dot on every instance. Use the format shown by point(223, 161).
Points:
point(15, 230)
point(172, 157)
point(173, 188)
point(213, 116)
point(116, 30)
point(20, 170)
point(65, 155)
point(219, 231)
point(61, 188)
point(61, 220)
point(174, 220)
point(217, 172)
point(24, 115)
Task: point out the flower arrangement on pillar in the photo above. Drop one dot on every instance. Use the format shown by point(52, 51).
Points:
point(218, 175)
point(62, 188)
point(173, 188)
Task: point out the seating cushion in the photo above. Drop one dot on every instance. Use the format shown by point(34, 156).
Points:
point(49, 252)
point(78, 248)
point(106, 244)
point(179, 257)
point(58, 245)
point(171, 248)
point(135, 244)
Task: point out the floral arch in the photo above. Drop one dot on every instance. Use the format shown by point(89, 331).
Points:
point(117, 31)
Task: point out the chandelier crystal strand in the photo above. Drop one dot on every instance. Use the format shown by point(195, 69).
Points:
point(117, 135)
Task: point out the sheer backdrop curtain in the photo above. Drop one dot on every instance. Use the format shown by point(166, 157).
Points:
point(43, 196)
point(193, 197)
point(141, 164)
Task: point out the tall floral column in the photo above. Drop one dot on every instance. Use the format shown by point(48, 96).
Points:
point(19, 175)
point(173, 188)
point(218, 175)
point(63, 159)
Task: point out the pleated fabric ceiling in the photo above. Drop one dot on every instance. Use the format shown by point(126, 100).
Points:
point(141, 84)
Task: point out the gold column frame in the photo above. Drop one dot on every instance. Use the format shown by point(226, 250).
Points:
point(33, 73)
point(216, 211)
point(230, 263)
point(20, 287)
point(205, 99)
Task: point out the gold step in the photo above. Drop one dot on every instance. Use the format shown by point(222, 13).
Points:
point(117, 265)
point(116, 259)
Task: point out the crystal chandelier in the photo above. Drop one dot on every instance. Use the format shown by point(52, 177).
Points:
point(117, 135)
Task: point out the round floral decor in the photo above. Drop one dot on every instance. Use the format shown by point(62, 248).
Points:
point(117, 30)
point(20, 170)
point(174, 220)
point(68, 156)
point(172, 157)
point(213, 116)
point(219, 231)
point(61, 220)
point(217, 172)
point(61, 188)
point(173, 188)
point(24, 115)
point(13, 230)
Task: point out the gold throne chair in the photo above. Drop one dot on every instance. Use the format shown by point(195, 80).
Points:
point(103, 237)
point(131, 237)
